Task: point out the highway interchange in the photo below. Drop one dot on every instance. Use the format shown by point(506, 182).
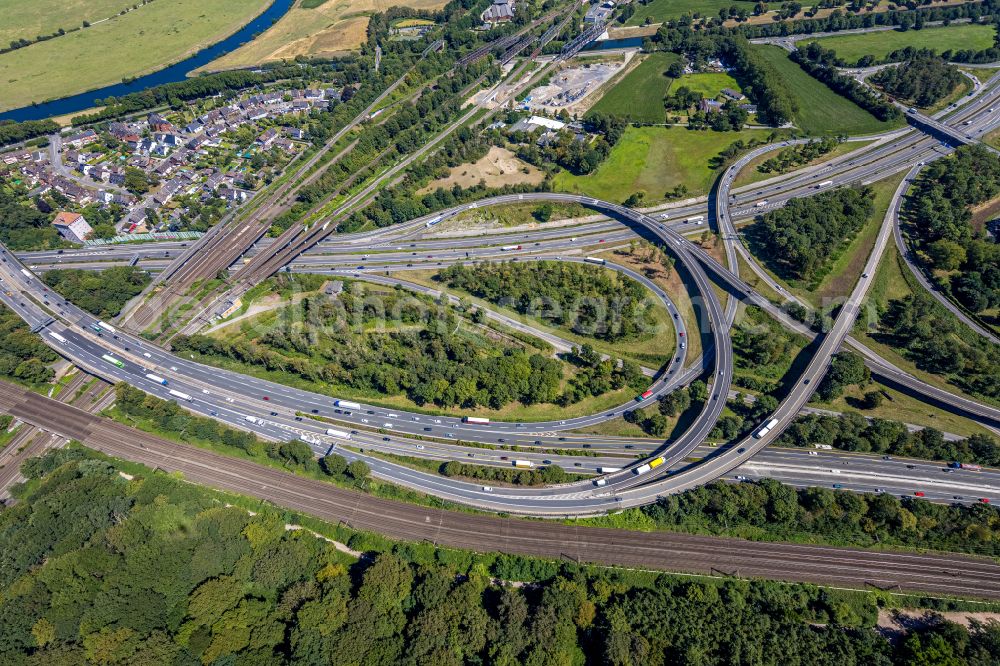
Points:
point(285, 412)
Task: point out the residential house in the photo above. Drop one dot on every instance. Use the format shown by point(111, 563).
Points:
point(72, 226)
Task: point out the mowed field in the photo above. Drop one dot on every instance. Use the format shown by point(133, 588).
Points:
point(654, 160)
point(821, 111)
point(144, 40)
point(880, 44)
point(639, 94)
point(662, 10)
point(314, 28)
point(709, 84)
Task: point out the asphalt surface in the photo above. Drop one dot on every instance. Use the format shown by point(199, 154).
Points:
point(931, 574)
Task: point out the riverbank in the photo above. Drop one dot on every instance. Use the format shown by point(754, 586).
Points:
point(79, 67)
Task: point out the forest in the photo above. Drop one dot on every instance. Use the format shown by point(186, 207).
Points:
point(101, 293)
point(581, 298)
point(853, 432)
point(921, 81)
point(938, 220)
point(803, 238)
point(98, 568)
point(24, 357)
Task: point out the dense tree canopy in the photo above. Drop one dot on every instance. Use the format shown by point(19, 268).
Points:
point(101, 293)
point(23, 355)
point(921, 81)
point(938, 219)
point(99, 569)
point(803, 238)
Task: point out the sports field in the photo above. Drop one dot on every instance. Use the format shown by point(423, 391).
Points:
point(880, 44)
point(662, 10)
point(639, 94)
point(142, 40)
point(313, 28)
point(654, 160)
point(821, 111)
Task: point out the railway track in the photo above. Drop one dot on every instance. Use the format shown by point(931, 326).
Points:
point(894, 571)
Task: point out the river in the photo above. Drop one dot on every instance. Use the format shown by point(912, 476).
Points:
point(171, 74)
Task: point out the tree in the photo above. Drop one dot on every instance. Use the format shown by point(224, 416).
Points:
point(846, 368)
point(543, 213)
point(358, 470)
point(333, 464)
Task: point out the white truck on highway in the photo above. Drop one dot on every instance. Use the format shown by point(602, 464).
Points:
point(156, 378)
point(524, 464)
point(342, 434)
point(697, 219)
point(346, 404)
point(825, 183)
point(251, 419)
point(766, 428)
point(180, 395)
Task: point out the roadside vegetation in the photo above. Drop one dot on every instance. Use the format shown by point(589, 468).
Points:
point(768, 510)
point(921, 82)
point(249, 583)
point(853, 432)
point(24, 358)
point(961, 257)
point(801, 240)
point(101, 293)
point(658, 160)
point(377, 343)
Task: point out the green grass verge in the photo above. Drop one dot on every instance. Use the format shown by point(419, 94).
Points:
point(821, 111)
point(709, 84)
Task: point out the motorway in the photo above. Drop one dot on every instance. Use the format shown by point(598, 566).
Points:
point(284, 412)
point(950, 575)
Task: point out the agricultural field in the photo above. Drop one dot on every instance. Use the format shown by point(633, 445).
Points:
point(654, 160)
point(822, 111)
point(28, 20)
point(138, 42)
point(663, 10)
point(880, 44)
point(313, 28)
point(709, 84)
point(639, 94)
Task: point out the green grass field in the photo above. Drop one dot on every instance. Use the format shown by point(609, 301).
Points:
point(709, 84)
point(141, 41)
point(822, 111)
point(662, 10)
point(655, 160)
point(27, 19)
point(880, 44)
point(639, 94)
